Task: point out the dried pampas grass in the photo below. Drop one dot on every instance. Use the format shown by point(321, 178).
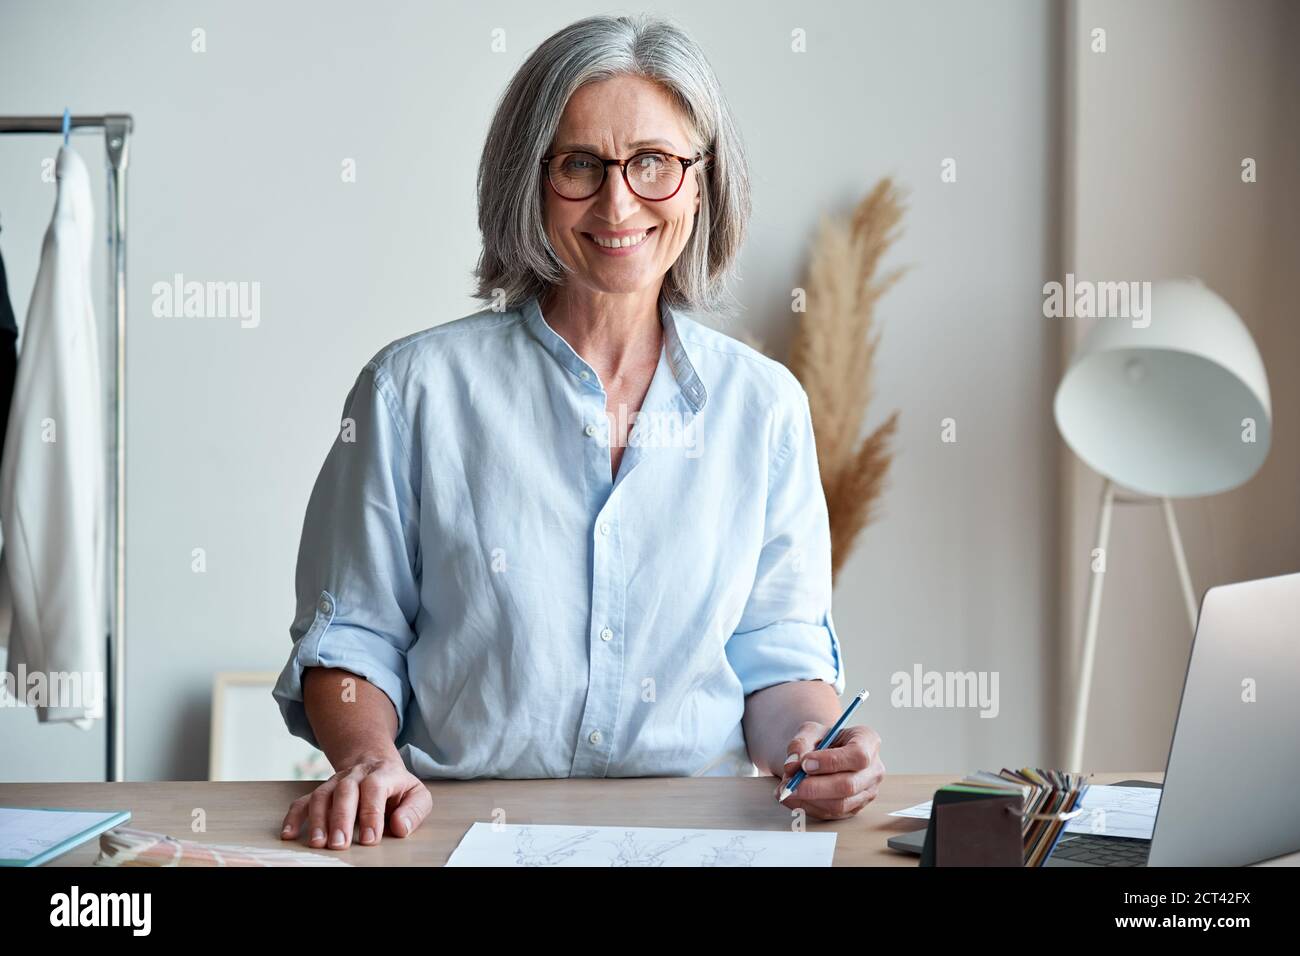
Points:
point(833, 356)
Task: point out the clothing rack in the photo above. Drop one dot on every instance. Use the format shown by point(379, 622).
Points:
point(117, 129)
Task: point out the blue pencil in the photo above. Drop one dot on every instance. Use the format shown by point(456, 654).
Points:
point(826, 741)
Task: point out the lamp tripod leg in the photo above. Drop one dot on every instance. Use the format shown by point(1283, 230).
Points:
point(1084, 689)
point(1180, 561)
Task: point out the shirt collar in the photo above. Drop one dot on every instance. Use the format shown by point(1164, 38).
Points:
point(688, 380)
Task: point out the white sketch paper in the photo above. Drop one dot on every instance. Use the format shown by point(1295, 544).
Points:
point(1118, 811)
point(487, 844)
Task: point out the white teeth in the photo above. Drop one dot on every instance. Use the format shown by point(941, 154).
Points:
point(621, 243)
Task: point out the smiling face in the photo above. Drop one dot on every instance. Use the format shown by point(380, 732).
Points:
point(618, 118)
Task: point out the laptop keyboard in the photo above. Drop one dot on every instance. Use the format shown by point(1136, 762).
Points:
point(1103, 851)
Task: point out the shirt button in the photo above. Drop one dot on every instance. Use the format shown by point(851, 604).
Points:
point(594, 737)
point(590, 430)
point(584, 375)
point(604, 527)
point(325, 605)
point(606, 635)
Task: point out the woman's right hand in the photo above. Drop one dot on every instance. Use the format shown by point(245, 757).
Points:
point(359, 798)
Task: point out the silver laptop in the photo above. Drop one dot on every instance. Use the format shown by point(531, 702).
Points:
point(1232, 781)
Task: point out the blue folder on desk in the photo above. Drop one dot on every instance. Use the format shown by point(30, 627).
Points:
point(30, 836)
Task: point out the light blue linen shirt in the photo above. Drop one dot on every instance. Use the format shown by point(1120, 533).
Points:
point(467, 550)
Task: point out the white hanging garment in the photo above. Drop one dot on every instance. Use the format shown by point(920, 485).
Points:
point(53, 477)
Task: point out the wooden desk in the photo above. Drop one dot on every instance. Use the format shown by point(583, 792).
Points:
point(251, 813)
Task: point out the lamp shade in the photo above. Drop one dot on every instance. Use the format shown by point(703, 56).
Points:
point(1176, 405)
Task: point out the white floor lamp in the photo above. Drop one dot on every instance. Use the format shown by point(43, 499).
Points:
point(1175, 405)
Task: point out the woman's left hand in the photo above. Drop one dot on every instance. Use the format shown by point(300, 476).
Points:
point(841, 780)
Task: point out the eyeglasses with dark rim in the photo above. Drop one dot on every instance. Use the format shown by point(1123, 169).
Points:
point(577, 185)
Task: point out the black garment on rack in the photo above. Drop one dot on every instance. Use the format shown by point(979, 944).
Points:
point(8, 353)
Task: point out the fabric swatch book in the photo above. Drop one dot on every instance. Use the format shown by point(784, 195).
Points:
point(1011, 818)
point(30, 836)
point(125, 846)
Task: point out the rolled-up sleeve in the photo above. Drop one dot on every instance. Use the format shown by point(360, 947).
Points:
point(786, 632)
point(358, 561)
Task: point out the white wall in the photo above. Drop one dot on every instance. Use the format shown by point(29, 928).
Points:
point(1185, 90)
point(235, 176)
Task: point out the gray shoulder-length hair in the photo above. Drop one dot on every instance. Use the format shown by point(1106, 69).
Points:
point(517, 260)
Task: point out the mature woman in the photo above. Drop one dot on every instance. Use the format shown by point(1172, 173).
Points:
point(576, 533)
